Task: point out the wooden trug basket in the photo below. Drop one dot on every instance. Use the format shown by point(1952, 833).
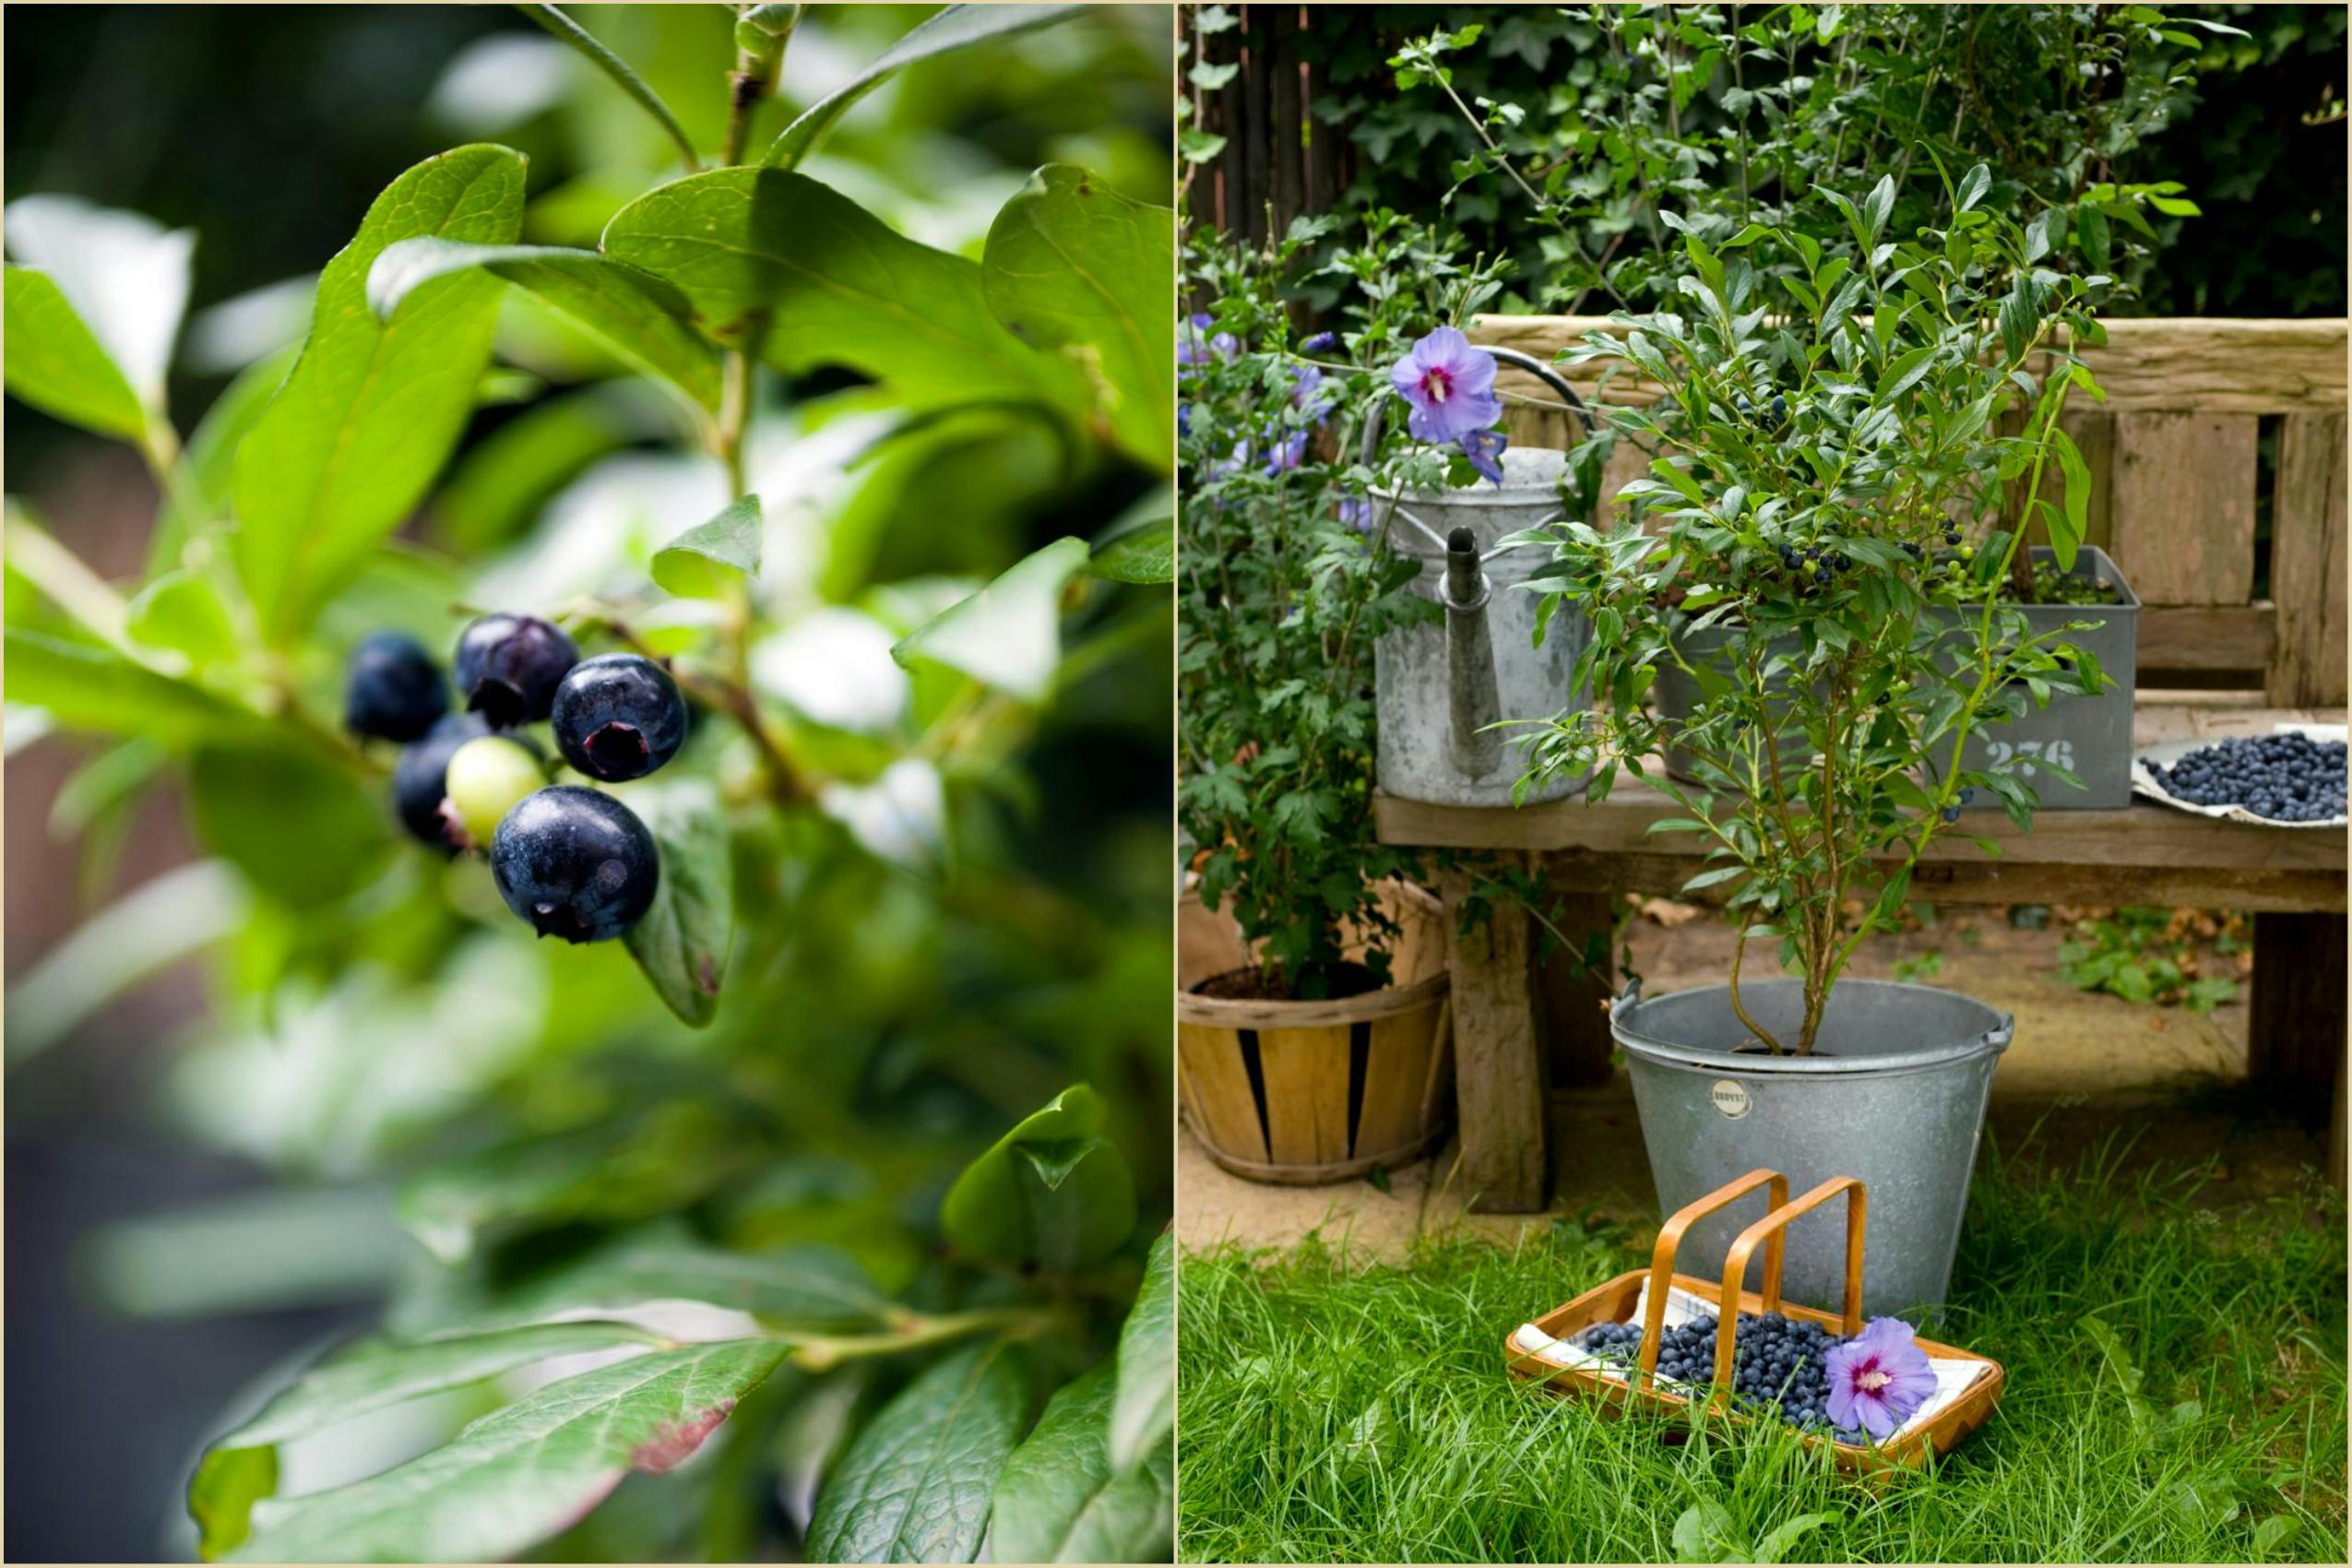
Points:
point(1613, 1303)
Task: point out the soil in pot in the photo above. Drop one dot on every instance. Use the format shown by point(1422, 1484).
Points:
point(1251, 984)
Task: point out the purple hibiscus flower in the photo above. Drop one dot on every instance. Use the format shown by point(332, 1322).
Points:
point(1879, 1379)
point(1484, 448)
point(1450, 386)
point(1356, 512)
point(1309, 393)
point(1190, 350)
point(1286, 452)
point(1321, 343)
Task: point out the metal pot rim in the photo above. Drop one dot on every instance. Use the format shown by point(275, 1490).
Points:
point(1624, 1015)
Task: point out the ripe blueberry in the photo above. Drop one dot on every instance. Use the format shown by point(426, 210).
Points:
point(393, 689)
point(575, 862)
point(618, 715)
point(508, 666)
point(485, 777)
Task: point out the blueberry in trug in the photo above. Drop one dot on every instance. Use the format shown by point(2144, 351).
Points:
point(393, 689)
point(508, 666)
point(419, 777)
point(618, 715)
point(577, 863)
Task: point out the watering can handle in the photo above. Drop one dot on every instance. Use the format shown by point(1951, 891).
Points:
point(1669, 1237)
point(1518, 360)
point(1771, 1232)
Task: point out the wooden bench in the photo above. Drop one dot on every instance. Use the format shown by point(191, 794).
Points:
point(2178, 488)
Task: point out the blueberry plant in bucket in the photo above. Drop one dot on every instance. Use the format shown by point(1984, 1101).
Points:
point(1289, 576)
point(786, 636)
point(1829, 464)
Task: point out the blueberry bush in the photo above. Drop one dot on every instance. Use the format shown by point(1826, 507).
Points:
point(754, 579)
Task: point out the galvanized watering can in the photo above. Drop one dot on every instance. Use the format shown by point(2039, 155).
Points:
point(1438, 687)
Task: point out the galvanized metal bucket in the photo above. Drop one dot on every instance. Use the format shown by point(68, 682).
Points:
point(2090, 737)
point(1440, 686)
point(1893, 1095)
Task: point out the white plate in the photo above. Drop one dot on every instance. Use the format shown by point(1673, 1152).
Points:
point(2144, 781)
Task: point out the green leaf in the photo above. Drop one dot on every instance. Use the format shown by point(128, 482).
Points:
point(682, 942)
point(207, 473)
point(124, 275)
point(524, 1473)
point(712, 560)
point(2064, 542)
point(612, 66)
point(1009, 634)
point(953, 27)
point(915, 1484)
point(1145, 1411)
point(811, 1289)
point(182, 612)
point(1052, 1190)
point(56, 363)
point(371, 409)
point(92, 689)
point(1147, 555)
point(221, 1494)
point(640, 318)
point(1075, 267)
point(780, 264)
point(299, 827)
point(1061, 1499)
point(379, 1373)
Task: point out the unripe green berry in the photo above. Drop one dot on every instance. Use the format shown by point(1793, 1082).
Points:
point(486, 777)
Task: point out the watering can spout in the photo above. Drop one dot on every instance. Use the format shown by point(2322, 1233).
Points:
point(1470, 688)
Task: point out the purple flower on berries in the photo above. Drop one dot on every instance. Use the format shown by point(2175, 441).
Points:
point(1450, 386)
point(1484, 448)
point(1879, 1379)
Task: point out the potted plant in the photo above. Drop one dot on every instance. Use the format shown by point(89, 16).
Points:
point(1312, 1039)
point(1830, 412)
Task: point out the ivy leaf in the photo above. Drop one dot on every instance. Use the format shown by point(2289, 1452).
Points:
point(1147, 555)
point(915, 1485)
point(953, 27)
point(371, 409)
point(1063, 1499)
point(1009, 634)
point(1075, 267)
point(780, 264)
point(56, 363)
point(712, 560)
point(524, 1473)
point(1144, 1410)
point(682, 941)
point(1052, 1190)
point(645, 321)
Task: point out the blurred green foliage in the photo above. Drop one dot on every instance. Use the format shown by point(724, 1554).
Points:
point(940, 816)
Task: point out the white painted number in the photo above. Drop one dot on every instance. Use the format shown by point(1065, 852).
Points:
point(2059, 754)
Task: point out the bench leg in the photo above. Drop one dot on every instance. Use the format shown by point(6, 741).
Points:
point(1571, 1013)
point(2295, 1029)
point(1499, 1075)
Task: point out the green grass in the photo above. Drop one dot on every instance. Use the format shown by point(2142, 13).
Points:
point(1331, 1410)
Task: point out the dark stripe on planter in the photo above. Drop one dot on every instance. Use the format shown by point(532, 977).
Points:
point(1256, 1070)
point(1358, 1063)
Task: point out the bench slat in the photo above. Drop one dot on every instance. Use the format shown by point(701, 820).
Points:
point(2184, 505)
point(2306, 559)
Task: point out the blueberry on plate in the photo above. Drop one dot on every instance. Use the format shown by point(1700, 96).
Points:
point(576, 863)
point(392, 689)
point(618, 715)
point(508, 666)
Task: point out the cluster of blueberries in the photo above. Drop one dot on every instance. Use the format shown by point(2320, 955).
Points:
point(1780, 1366)
point(574, 862)
point(2287, 777)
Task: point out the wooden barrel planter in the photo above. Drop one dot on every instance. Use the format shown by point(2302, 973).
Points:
point(1309, 1092)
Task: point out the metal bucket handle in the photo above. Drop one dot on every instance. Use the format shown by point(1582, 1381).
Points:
point(2000, 1034)
point(1670, 1237)
point(1770, 1232)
